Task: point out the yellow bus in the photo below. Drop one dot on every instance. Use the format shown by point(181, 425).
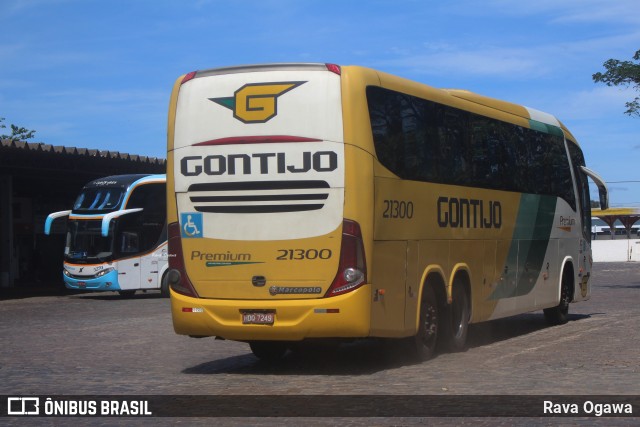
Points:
point(317, 201)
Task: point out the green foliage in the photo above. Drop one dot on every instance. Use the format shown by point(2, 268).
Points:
point(18, 133)
point(623, 73)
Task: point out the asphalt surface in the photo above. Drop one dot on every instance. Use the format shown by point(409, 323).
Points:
point(100, 344)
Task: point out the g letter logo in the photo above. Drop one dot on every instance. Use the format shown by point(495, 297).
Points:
point(256, 102)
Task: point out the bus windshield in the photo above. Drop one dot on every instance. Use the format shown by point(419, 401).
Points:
point(85, 243)
point(98, 199)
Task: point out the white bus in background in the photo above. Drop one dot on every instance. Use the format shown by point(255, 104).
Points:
point(116, 235)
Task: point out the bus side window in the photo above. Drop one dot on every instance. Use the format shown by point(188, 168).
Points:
point(130, 242)
point(150, 223)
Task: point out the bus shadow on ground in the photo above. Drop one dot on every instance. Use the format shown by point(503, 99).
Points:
point(114, 296)
point(353, 358)
point(481, 334)
point(367, 356)
point(635, 285)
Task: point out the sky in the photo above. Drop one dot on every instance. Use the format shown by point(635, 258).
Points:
point(98, 74)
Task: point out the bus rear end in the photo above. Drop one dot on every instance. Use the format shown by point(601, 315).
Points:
point(260, 250)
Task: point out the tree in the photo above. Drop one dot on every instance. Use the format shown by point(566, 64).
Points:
point(18, 133)
point(623, 73)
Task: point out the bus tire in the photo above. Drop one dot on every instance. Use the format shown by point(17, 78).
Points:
point(164, 286)
point(127, 294)
point(456, 326)
point(559, 315)
point(269, 351)
point(423, 344)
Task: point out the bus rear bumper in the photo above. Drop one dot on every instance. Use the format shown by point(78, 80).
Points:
point(344, 316)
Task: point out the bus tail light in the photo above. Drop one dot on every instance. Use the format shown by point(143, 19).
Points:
point(177, 274)
point(352, 270)
point(334, 68)
point(188, 77)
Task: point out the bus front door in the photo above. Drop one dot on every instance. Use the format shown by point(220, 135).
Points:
point(129, 265)
point(149, 272)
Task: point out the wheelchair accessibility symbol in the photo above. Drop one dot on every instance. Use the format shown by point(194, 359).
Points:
point(191, 223)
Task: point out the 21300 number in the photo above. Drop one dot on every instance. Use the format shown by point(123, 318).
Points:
point(301, 254)
point(394, 209)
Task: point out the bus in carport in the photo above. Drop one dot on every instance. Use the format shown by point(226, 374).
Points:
point(116, 235)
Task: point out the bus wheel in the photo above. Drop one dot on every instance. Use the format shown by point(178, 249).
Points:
point(127, 294)
point(269, 351)
point(559, 315)
point(457, 325)
point(164, 286)
point(423, 344)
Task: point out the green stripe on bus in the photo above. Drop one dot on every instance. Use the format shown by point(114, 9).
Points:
point(546, 128)
point(528, 246)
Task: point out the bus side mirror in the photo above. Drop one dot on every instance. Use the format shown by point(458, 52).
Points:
point(602, 187)
point(604, 199)
point(106, 220)
point(51, 217)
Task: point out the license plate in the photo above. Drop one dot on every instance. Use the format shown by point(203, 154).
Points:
point(258, 317)
point(82, 284)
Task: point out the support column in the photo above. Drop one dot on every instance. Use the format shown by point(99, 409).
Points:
point(628, 222)
point(611, 221)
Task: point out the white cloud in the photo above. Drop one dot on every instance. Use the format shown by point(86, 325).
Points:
point(573, 11)
point(510, 59)
point(482, 61)
point(595, 103)
point(92, 117)
point(105, 104)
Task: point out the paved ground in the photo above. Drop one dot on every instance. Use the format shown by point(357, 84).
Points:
point(100, 344)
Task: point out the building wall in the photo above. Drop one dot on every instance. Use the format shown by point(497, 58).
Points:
point(621, 250)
